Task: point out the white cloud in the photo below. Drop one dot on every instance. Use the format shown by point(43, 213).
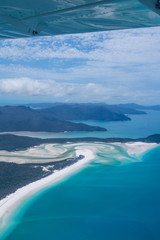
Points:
point(117, 46)
point(89, 92)
point(31, 87)
point(113, 66)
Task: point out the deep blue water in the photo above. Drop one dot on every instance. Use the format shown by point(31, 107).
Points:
point(102, 202)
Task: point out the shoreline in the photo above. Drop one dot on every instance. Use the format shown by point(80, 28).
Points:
point(139, 148)
point(8, 203)
point(136, 149)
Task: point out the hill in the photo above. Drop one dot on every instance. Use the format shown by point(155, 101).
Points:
point(21, 118)
point(137, 106)
point(95, 112)
point(116, 108)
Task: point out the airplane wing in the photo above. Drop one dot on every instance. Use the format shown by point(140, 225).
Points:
point(25, 18)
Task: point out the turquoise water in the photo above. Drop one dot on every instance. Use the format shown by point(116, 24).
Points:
point(117, 201)
point(115, 197)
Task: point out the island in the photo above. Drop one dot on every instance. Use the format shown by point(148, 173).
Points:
point(21, 118)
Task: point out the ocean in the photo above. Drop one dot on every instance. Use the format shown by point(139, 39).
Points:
point(115, 197)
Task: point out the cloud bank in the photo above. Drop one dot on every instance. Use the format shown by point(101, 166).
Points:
point(71, 92)
point(116, 66)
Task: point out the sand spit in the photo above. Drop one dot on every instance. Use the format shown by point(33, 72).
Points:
point(11, 201)
point(138, 148)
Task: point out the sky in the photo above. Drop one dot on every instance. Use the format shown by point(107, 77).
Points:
point(112, 67)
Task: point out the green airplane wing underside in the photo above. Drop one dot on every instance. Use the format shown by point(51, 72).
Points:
point(52, 17)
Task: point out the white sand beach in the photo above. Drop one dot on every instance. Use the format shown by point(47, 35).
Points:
point(8, 203)
point(38, 154)
point(138, 148)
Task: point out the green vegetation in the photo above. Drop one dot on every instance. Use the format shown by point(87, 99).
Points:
point(23, 118)
point(11, 142)
point(95, 112)
point(14, 176)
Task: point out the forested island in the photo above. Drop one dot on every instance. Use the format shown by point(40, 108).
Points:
point(59, 117)
point(21, 118)
point(126, 108)
point(10, 142)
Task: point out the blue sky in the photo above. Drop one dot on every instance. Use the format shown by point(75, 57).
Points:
point(112, 67)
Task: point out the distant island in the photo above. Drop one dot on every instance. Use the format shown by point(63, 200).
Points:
point(141, 107)
point(59, 117)
point(21, 118)
point(85, 112)
point(126, 108)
